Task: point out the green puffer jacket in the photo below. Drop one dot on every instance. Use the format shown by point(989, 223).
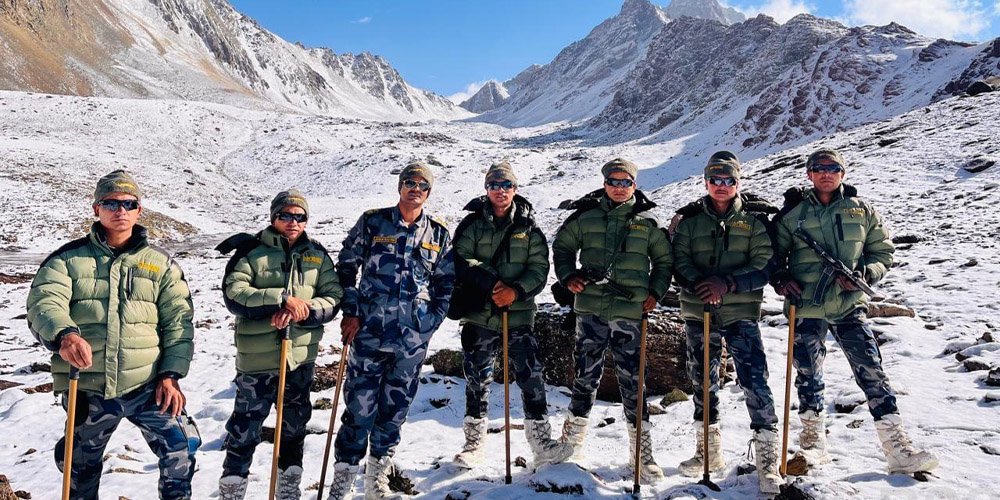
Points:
point(736, 247)
point(257, 280)
point(618, 239)
point(524, 265)
point(133, 308)
point(849, 228)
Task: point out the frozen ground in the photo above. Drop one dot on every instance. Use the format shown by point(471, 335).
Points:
point(210, 170)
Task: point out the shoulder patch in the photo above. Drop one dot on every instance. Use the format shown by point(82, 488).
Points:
point(520, 236)
point(148, 267)
point(438, 221)
point(313, 259)
point(742, 225)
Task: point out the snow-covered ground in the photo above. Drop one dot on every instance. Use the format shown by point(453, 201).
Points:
point(210, 170)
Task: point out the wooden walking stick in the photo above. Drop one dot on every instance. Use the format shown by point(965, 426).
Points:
point(506, 390)
point(74, 378)
point(341, 369)
point(706, 479)
point(788, 389)
point(639, 403)
point(280, 404)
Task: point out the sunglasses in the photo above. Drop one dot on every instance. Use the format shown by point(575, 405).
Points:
point(619, 183)
point(501, 186)
point(412, 184)
point(289, 217)
point(828, 168)
point(722, 181)
point(114, 205)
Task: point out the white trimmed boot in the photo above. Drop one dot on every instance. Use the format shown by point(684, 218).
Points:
point(812, 439)
point(649, 471)
point(343, 480)
point(574, 432)
point(232, 488)
point(695, 466)
point(899, 450)
point(473, 451)
point(768, 474)
point(545, 449)
point(288, 483)
point(377, 478)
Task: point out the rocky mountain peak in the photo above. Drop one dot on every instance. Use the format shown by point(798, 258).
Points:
point(704, 9)
point(488, 98)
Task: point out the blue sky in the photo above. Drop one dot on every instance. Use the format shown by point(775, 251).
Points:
point(452, 46)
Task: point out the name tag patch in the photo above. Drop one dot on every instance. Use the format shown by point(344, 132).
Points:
point(311, 259)
point(385, 239)
point(430, 246)
point(146, 266)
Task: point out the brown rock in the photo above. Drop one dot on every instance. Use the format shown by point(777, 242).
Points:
point(6, 493)
point(448, 363)
point(326, 377)
point(885, 310)
point(44, 388)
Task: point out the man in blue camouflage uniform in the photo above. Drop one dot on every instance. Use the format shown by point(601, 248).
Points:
point(404, 260)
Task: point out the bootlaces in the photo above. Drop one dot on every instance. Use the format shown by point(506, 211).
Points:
point(230, 490)
point(900, 441)
point(473, 436)
point(341, 484)
point(288, 485)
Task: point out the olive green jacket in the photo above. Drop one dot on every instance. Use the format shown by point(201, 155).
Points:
point(617, 239)
point(255, 285)
point(848, 228)
point(523, 264)
point(735, 247)
point(133, 307)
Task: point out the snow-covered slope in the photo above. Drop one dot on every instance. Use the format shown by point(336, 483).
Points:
point(195, 50)
point(210, 170)
point(702, 9)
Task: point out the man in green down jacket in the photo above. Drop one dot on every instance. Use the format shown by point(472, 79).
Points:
point(849, 229)
point(502, 260)
point(277, 279)
point(722, 260)
point(118, 310)
point(624, 269)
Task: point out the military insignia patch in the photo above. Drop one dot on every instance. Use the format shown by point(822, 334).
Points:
point(384, 239)
point(430, 246)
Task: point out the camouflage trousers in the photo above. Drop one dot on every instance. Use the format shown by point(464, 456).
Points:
point(380, 384)
point(747, 350)
point(593, 338)
point(480, 346)
point(174, 440)
point(256, 393)
point(858, 342)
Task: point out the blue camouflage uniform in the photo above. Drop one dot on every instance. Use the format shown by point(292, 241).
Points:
point(407, 274)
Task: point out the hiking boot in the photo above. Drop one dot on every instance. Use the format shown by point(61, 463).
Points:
point(812, 438)
point(232, 488)
point(902, 456)
point(288, 483)
point(473, 451)
point(768, 475)
point(343, 480)
point(573, 433)
point(545, 449)
point(377, 478)
point(695, 466)
point(649, 471)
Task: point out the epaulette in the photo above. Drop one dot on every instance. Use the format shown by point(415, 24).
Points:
point(438, 221)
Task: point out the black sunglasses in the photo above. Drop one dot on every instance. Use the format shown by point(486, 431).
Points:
point(497, 186)
point(831, 168)
point(289, 217)
point(412, 184)
point(619, 183)
point(722, 181)
point(114, 205)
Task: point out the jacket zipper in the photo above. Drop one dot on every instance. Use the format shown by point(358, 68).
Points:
point(129, 275)
point(840, 227)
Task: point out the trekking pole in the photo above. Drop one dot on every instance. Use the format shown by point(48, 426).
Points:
point(74, 378)
point(706, 479)
point(788, 389)
point(280, 404)
point(506, 389)
point(341, 368)
point(640, 400)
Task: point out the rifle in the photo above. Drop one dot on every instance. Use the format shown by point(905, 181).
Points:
point(598, 277)
point(831, 268)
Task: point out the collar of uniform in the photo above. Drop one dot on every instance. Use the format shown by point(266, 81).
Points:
point(272, 238)
point(397, 218)
point(734, 208)
point(837, 195)
point(609, 206)
point(99, 237)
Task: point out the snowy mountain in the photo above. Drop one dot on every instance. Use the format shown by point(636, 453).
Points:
point(489, 97)
point(701, 9)
point(581, 78)
point(194, 50)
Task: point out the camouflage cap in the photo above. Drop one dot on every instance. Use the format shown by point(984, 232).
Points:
point(620, 165)
point(826, 154)
point(501, 171)
point(118, 181)
point(723, 163)
point(416, 169)
point(290, 198)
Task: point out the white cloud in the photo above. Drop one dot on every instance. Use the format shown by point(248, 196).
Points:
point(996, 9)
point(962, 19)
point(780, 10)
point(470, 90)
point(363, 20)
